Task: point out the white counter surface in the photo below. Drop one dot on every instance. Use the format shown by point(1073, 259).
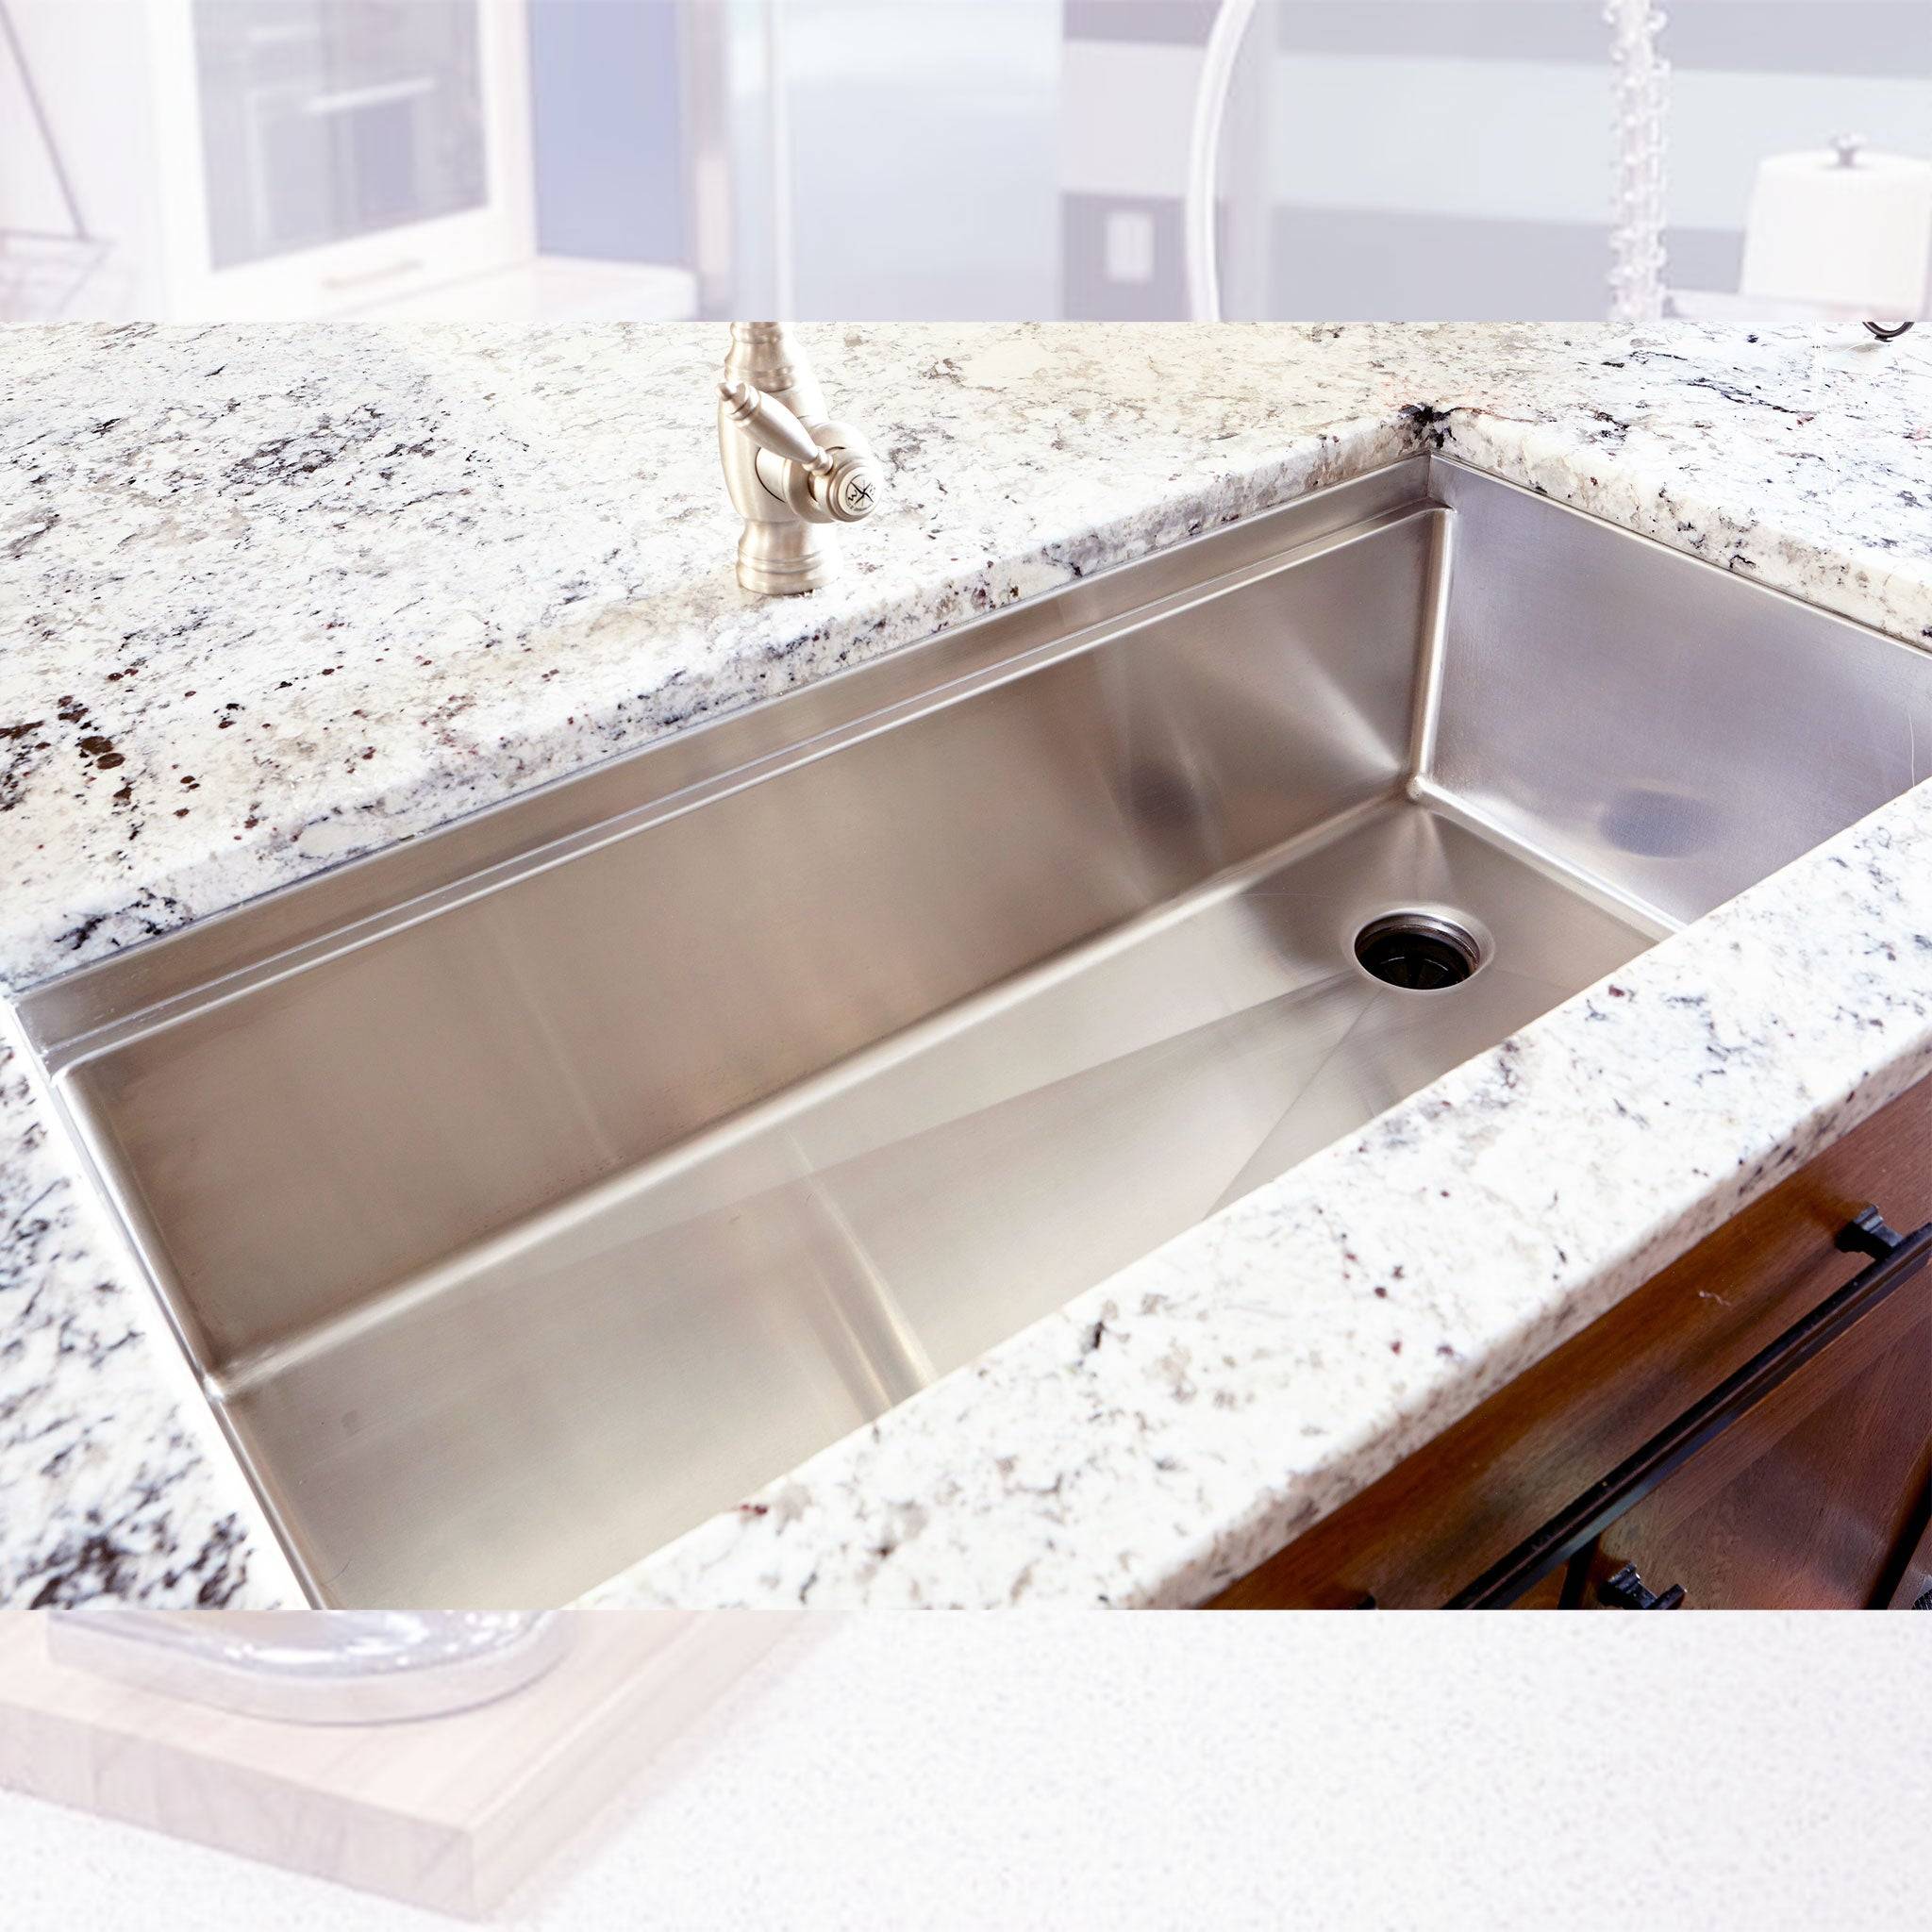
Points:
point(1154, 1773)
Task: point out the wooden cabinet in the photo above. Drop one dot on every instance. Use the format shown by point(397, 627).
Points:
point(1811, 1501)
point(1796, 1418)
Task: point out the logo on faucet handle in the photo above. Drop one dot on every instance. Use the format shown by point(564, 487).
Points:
point(856, 493)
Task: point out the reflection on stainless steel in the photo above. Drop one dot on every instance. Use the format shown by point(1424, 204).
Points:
point(790, 475)
point(338, 1667)
point(528, 1194)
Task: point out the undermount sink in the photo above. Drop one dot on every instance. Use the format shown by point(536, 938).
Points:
point(527, 1192)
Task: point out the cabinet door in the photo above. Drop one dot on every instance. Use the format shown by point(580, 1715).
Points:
point(316, 156)
point(1463, 1503)
point(1815, 1499)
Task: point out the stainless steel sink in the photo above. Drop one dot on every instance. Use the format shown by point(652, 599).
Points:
point(526, 1194)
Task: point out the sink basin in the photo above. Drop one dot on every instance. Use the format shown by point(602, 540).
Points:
point(527, 1192)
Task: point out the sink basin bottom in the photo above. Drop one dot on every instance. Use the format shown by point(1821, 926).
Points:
point(793, 1275)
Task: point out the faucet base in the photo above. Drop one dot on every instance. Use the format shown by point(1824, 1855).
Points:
point(786, 560)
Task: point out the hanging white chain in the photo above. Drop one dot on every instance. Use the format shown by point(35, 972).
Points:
point(1637, 231)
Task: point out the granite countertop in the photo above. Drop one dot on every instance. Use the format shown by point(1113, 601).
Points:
point(270, 597)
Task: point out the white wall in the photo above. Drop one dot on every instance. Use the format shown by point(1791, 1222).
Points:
point(1453, 156)
point(923, 157)
point(88, 59)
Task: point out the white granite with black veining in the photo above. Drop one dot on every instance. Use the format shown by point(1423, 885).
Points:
point(269, 598)
point(109, 1484)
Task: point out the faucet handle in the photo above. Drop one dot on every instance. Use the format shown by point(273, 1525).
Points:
point(840, 480)
point(771, 425)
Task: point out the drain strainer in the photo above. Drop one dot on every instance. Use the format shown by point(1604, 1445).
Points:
point(1417, 951)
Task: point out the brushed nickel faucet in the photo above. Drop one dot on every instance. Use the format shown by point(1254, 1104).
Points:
point(793, 475)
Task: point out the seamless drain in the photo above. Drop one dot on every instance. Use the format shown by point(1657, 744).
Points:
point(1417, 951)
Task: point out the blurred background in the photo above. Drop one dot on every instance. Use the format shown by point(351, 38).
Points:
point(561, 159)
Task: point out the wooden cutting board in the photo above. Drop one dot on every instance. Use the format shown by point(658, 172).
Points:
point(449, 1812)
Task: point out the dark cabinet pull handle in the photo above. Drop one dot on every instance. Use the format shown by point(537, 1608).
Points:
point(1895, 1259)
point(1866, 1233)
point(1625, 1591)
